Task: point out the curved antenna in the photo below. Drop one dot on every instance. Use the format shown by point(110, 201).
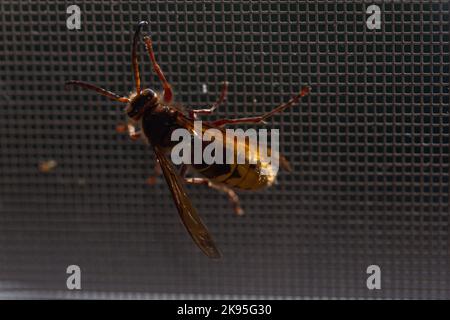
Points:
point(134, 58)
point(103, 92)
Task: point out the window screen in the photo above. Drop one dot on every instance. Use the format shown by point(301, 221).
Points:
point(369, 149)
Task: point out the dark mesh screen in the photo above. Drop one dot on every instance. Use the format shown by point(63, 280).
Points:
point(369, 148)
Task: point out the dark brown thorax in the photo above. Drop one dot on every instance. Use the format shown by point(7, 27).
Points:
point(158, 124)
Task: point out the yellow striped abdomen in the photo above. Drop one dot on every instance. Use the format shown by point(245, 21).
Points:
point(248, 176)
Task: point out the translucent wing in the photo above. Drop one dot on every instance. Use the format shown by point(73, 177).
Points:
point(188, 213)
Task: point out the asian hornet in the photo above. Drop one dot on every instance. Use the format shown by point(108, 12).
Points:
point(157, 116)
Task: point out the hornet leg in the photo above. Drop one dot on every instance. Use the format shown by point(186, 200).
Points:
point(223, 94)
point(133, 133)
point(280, 108)
point(157, 172)
point(130, 129)
point(168, 93)
point(232, 196)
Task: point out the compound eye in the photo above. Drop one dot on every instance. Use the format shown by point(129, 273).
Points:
point(147, 93)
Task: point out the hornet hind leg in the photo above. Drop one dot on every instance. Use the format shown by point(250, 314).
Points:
point(231, 194)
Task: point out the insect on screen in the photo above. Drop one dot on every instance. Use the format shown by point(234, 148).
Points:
point(368, 147)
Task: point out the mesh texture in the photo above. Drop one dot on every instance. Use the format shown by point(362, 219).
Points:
point(369, 148)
